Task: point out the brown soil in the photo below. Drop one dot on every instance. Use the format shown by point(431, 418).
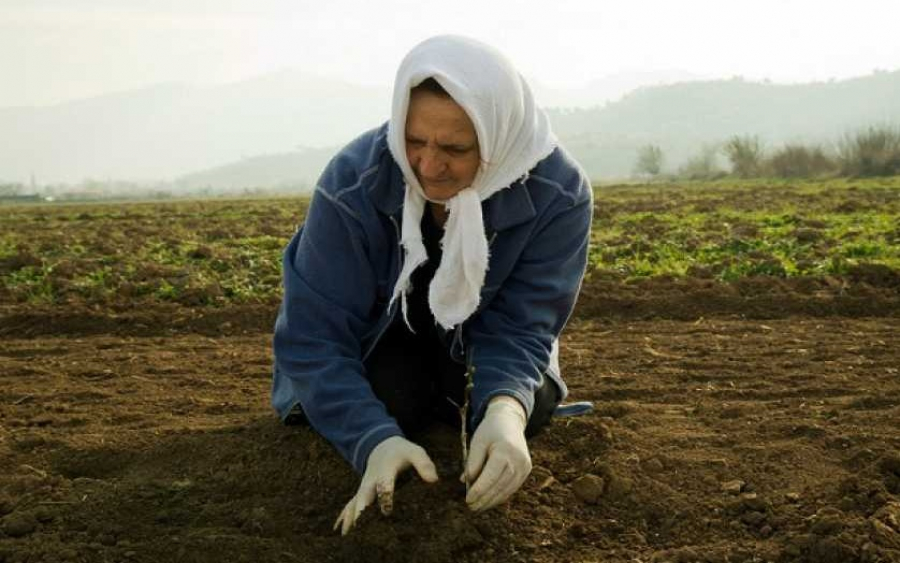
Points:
point(148, 437)
point(866, 291)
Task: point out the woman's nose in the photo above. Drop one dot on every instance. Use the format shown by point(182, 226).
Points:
point(431, 165)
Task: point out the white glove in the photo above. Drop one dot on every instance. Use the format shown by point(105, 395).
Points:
point(386, 461)
point(499, 439)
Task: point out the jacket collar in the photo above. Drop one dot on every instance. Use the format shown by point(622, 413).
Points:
point(505, 209)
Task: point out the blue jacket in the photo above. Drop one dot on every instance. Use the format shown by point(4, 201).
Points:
point(339, 274)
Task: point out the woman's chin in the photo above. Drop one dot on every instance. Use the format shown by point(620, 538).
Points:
point(440, 193)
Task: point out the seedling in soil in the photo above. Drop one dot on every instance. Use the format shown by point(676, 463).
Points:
point(463, 416)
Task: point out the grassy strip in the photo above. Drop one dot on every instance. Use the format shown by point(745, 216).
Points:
point(224, 252)
point(731, 230)
point(194, 253)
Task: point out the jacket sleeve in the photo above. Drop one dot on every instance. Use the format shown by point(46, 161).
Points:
point(329, 291)
point(509, 342)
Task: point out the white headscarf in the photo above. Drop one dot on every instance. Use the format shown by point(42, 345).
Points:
point(513, 136)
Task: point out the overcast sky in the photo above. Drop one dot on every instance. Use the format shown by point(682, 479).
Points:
point(55, 50)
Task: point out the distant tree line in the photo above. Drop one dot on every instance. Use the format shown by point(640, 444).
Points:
point(99, 190)
point(873, 151)
point(11, 189)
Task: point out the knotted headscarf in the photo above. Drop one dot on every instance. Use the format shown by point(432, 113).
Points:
point(513, 136)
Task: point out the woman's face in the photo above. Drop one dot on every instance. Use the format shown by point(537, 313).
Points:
point(441, 145)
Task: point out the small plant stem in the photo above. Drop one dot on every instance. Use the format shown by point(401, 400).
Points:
point(463, 416)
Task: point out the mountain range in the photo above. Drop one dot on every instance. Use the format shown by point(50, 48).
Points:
point(683, 119)
point(280, 129)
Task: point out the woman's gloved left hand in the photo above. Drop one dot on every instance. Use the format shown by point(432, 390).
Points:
point(499, 461)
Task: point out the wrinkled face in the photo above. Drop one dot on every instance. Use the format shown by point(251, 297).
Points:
point(441, 145)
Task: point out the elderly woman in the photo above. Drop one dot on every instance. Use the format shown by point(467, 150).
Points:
point(454, 235)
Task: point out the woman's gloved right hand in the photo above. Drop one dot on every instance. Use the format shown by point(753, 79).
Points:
point(387, 460)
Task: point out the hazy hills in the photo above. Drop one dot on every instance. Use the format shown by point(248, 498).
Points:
point(280, 129)
point(681, 118)
point(173, 129)
point(610, 88)
point(288, 172)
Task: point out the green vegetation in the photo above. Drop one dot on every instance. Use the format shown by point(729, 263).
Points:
point(649, 161)
point(731, 229)
point(745, 155)
point(795, 160)
point(702, 166)
point(870, 152)
point(197, 253)
point(223, 252)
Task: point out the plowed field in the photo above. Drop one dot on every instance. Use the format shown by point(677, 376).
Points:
point(754, 420)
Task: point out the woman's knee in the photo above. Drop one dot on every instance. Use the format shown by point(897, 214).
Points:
point(546, 399)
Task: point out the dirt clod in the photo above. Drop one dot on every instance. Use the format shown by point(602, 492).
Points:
point(831, 550)
point(733, 487)
point(828, 525)
point(884, 535)
point(654, 465)
point(589, 488)
point(890, 515)
point(6, 505)
point(542, 478)
point(17, 525)
point(617, 486)
point(604, 432)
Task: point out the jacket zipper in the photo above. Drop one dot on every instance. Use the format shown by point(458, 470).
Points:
point(457, 336)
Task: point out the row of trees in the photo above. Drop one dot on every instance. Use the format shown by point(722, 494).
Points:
point(874, 151)
point(11, 189)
